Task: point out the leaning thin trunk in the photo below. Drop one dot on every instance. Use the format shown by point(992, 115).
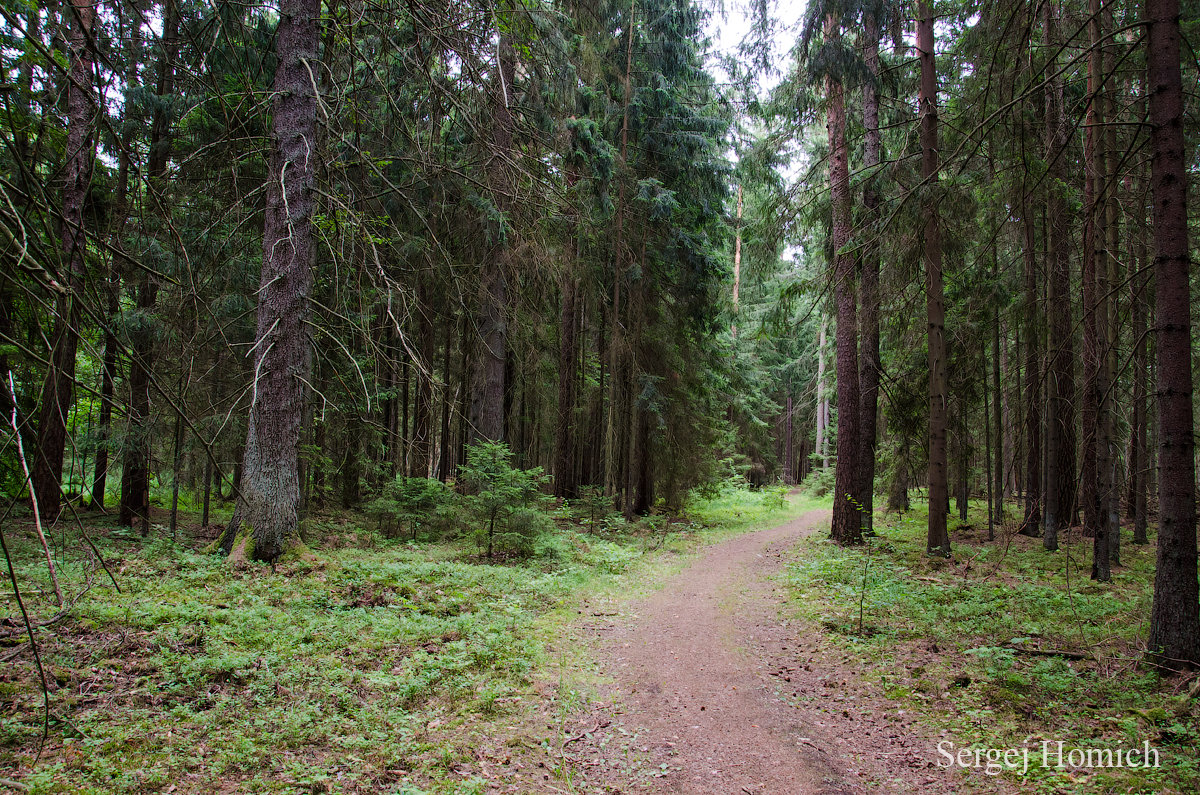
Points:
point(422, 449)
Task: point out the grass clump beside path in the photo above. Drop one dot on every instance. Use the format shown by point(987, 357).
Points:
point(372, 665)
point(1007, 646)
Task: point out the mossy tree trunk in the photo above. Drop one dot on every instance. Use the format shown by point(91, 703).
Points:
point(270, 486)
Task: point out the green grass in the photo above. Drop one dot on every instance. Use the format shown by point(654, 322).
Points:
point(371, 665)
point(951, 640)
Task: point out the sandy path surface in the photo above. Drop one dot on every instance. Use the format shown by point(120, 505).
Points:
point(698, 694)
point(714, 692)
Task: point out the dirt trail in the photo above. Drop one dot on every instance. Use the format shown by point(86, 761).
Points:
point(700, 698)
point(702, 673)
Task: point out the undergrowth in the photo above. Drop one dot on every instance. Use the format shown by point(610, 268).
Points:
point(374, 664)
point(1006, 645)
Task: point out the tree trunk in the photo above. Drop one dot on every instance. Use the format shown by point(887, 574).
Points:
point(58, 389)
point(1060, 381)
point(208, 479)
point(487, 403)
point(1031, 523)
point(282, 351)
point(938, 540)
point(464, 392)
point(789, 458)
point(108, 378)
point(1175, 614)
point(1112, 280)
point(401, 452)
point(870, 364)
point(445, 458)
point(964, 458)
point(566, 481)
point(177, 463)
point(737, 264)
point(423, 399)
point(1139, 464)
point(1095, 330)
point(822, 415)
point(847, 526)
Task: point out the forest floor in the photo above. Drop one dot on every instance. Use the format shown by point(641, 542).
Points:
point(737, 651)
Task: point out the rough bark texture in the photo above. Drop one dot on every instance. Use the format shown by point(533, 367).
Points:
point(58, 388)
point(938, 539)
point(1060, 377)
point(566, 480)
point(869, 363)
point(1095, 330)
point(487, 400)
point(270, 487)
point(1175, 615)
point(846, 527)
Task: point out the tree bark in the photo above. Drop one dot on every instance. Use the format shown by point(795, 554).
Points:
point(1031, 523)
point(282, 348)
point(566, 480)
point(1139, 465)
point(1095, 330)
point(847, 526)
point(822, 415)
point(1112, 278)
point(487, 403)
point(1060, 380)
point(1175, 614)
point(58, 389)
point(870, 364)
point(938, 539)
point(445, 458)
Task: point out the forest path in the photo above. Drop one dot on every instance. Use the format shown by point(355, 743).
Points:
point(691, 677)
point(691, 681)
point(713, 692)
